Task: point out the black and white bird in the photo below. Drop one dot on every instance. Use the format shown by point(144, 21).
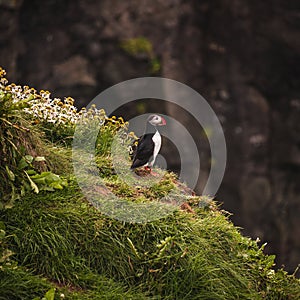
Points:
point(149, 144)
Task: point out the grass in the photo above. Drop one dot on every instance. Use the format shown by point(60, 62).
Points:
point(59, 240)
point(185, 256)
point(18, 138)
point(19, 284)
point(54, 233)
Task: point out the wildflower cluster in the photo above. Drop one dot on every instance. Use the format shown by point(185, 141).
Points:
point(54, 111)
point(3, 80)
point(92, 114)
point(58, 117)
point(45, 109)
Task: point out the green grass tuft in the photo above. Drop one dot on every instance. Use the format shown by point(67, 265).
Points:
point(19, 284)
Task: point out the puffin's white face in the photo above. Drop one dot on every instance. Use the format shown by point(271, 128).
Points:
point(156, 120)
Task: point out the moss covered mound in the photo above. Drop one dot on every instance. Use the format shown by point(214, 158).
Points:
point(55, 245)
point(61, 237)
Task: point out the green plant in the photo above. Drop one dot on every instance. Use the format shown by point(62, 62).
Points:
point(199, 256)
point(15, 283)
point(62, 246)
point(17, 137)
point(48, 296)
point(5, 253)
point(28, 122)
point(142, 47)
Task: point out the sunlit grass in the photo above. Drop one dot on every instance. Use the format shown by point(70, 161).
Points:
point(202, 255)
point(61, 240)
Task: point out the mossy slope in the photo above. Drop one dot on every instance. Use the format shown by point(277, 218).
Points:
point(59, 240)
point(184, 256)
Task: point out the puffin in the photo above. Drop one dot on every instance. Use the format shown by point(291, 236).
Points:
point(148, 144)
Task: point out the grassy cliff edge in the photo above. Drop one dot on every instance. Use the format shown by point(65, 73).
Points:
point(55, 245)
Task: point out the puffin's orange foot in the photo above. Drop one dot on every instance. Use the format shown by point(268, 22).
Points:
point(147, 169)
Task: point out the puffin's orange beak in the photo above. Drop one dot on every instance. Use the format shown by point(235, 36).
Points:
point(163, 122)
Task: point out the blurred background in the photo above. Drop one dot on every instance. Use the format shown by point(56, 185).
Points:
point(241, 55)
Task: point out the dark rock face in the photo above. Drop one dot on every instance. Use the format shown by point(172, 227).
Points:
point(242, 56)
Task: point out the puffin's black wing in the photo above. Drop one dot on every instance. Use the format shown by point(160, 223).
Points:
point(143, 151)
